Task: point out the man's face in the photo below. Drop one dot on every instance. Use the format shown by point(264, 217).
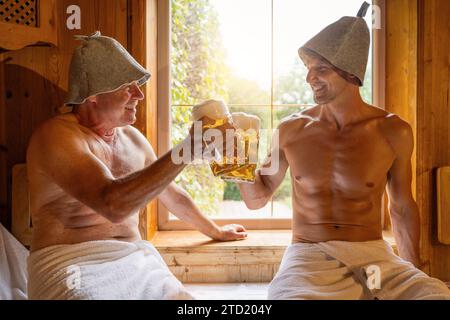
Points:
point(119, 107)
point(326, 83)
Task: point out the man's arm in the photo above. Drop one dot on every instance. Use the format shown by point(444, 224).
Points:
point(181, 204)
point(403, 209)
point(257, 195)
point(69, 162)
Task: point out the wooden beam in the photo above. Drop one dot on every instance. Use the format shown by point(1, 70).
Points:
point(142, 37)
point(401, 71)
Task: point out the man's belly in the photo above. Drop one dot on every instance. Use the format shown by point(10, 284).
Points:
point(50, 231)
point(320, 221)
point(328, 232)
point(327, 216)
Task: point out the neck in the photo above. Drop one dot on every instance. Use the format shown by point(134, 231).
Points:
point(345, 109)
point(93, 121)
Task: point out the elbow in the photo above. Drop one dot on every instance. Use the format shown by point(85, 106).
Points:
point(111, 208)
point(407, 210)
point(254, 199)
point(256, 204)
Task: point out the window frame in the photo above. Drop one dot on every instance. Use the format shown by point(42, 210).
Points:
point(164, 111)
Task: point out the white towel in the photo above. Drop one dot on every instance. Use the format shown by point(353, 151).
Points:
point(13, 271)
point(100, 270)
point(351, 270)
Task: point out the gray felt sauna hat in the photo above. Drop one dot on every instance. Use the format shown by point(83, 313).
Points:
point(345, 44)
point(101, 64)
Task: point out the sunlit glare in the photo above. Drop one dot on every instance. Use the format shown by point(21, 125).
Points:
point(246, 31)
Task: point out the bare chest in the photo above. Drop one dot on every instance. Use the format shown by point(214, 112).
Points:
point(122, 156)
point(354, 161)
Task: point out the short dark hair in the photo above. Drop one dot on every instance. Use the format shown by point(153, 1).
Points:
point(344, 74)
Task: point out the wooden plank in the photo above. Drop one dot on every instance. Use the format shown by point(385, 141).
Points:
point(401, 64)
point(193, 239)
point(142, 44)
point(257, 239)
point(222, 257)
point(225, 274)
point(412, 92)
point(433, 124)
point(21, 220)
point(32, 97)
point(151, 22)
point(163, 98)
point(443, 203)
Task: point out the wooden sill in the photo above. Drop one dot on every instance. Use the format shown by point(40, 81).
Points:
point(193, 240)
point(257, 239)
point(193, 257)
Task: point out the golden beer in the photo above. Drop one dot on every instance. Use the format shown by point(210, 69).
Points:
point(248, 133)
point(217, 116)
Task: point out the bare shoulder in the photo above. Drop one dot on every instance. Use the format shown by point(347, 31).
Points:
point(140, 141)
point(397, 132)
point(52, 138)
point(55, 129)
point(299, 120)
point(136, 136)
point(291, 126)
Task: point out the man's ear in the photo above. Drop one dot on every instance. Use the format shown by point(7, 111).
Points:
point(92, 99)
point(354, 80)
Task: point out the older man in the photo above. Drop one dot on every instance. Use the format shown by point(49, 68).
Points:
point(342, 153)
point(90, 173)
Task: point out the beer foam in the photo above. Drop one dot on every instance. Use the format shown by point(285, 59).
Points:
point(212, 109)
point(246, 121)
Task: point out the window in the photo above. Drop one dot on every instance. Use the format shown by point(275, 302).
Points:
point(245, 53)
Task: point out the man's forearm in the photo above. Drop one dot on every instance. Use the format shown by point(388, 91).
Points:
point(406, 227)
point(185, 209)
point(128, 194)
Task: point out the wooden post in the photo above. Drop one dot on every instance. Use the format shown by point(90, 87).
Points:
point(142, 28)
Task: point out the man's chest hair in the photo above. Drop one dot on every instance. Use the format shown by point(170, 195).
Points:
point(122, 157)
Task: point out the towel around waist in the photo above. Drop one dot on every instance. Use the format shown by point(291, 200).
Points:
point(52, 266)
point(94, 252)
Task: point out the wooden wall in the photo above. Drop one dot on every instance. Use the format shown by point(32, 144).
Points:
point(433, 121)
point(417, 89)
point(34, 80)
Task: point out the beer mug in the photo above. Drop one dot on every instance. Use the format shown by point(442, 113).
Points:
point(217, 117)
point(247, 131)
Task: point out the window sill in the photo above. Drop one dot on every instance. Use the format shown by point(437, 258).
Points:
point(193, 257)
point(193, 240)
